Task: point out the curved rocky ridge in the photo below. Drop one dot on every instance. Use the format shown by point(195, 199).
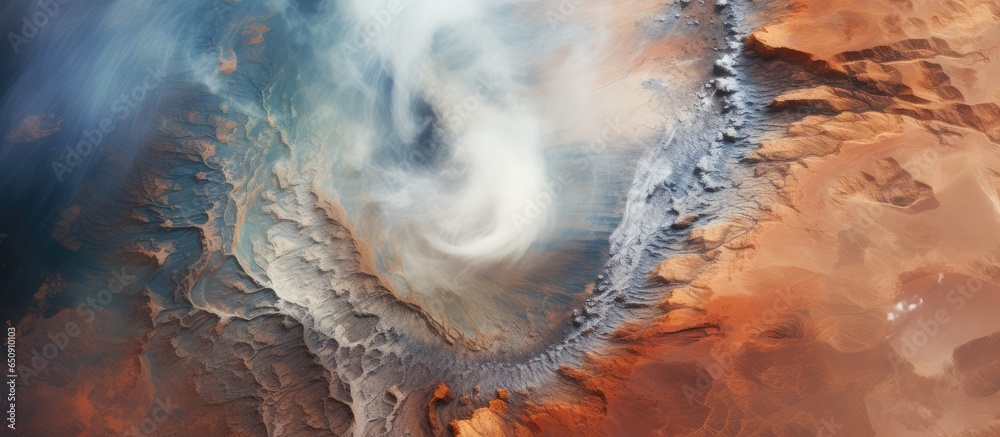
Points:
point(248, 306)
point(251, 305)
point(841, 306)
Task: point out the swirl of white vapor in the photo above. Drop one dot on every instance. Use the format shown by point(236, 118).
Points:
point(473, 206)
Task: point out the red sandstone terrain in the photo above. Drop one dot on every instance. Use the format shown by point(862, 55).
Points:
point(857, 301)
point(861, 298)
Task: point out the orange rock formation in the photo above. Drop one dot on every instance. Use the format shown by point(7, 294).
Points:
point(851, 303)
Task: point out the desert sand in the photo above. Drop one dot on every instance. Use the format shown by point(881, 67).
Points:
point(857, 300)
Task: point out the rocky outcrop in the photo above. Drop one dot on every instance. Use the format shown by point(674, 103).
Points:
point(34, 127)
point(874, 199)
